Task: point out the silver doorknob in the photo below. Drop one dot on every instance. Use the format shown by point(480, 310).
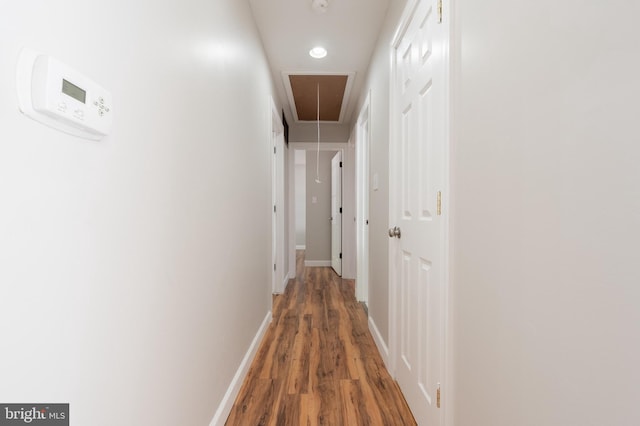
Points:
point(394, 232)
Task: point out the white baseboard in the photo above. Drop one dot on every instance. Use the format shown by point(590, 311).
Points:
point(382, 347)
point(224, 409)
point(301, 247)
point(313, 263)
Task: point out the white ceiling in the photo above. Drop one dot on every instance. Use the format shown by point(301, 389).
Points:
point(348, 30)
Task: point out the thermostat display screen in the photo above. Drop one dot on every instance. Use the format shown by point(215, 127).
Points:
point(74, 91)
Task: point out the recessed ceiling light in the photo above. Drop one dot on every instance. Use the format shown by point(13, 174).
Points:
point(319, 6)
point(318, 52)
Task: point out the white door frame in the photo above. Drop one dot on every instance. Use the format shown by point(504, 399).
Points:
point(363, 143)
point(293, 218)
point(324, 146)
point(447, 415)
point(276, 138)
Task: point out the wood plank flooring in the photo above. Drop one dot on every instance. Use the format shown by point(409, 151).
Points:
point(318, 364)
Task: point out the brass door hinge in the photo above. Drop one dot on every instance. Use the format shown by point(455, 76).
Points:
point(438, 397)
point(440, 11)
point(439, 204)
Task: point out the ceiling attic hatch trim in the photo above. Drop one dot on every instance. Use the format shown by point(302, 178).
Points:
point(335, 88)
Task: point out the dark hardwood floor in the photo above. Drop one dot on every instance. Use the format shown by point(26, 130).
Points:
point(318, 364)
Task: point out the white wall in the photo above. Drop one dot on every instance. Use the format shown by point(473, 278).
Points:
point(377, 84)
point(329, 132)
point(546, 213)
point(123, 279)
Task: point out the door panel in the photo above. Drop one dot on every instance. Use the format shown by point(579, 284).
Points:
point(362, 211)
point(417, 170)
point(336, 213)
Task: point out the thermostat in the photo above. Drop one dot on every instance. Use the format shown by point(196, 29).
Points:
point(61, 97)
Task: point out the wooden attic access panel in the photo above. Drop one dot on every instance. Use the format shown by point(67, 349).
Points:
point(332, 91)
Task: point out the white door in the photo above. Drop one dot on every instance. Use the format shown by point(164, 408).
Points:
point(281, 269)
point(274, 216)
point(417, 246)
point(277, 199)
point(336, 213)
point(362, 208)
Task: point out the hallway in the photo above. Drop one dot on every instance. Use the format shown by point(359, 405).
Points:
point(138, 269)
point(318, 363)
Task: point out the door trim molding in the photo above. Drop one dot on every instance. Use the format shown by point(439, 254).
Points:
point(348, 251)
point(450, 65)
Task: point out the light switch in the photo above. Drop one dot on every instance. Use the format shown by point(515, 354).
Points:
point(314, 200)
point(375, 182)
